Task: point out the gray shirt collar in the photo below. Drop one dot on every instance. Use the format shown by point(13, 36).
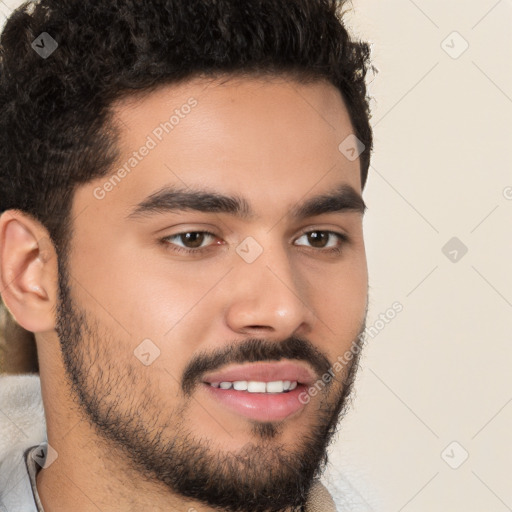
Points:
point(33, 469)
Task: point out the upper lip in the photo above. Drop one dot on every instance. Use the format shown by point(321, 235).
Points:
point(264, 372)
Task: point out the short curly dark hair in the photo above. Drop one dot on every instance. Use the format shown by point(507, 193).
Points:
point(54, 112)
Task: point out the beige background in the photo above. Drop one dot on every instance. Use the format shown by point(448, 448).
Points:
point(439, 372)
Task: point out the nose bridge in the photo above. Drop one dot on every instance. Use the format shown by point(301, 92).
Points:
point(267, 291)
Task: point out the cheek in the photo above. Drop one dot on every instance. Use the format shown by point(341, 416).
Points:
point(340, 299)
point(136, 291)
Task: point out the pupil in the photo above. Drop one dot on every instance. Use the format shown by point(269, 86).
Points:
point(315, 236)
point(194, 237)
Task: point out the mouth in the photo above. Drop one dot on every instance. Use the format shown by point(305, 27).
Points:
point(261, 391)
point(254, 386)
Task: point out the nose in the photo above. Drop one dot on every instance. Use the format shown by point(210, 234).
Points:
point(269, 297)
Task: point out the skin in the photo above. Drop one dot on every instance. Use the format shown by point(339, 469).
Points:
point(273, 142)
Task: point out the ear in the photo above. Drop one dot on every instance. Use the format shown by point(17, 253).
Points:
point(28, 271)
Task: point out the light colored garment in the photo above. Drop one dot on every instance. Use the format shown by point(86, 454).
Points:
point(22, 426)
point(23, 436)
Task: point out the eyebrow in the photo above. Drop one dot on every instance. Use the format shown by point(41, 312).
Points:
point(171, 199)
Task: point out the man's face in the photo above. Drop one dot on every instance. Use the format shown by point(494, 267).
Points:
point(154, 310)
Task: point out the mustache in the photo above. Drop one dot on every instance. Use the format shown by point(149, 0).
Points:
point(253, 350)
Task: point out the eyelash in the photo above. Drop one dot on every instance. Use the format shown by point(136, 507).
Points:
point(344, 239)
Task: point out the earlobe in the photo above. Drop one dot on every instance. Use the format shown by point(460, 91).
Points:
point(28, 271)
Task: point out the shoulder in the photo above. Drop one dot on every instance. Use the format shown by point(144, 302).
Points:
point(15, 488)
point(22, 423)
point(22, 420)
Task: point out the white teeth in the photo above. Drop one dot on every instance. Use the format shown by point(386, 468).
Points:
point(240, 385)
point(277, 386)
point(256, 387)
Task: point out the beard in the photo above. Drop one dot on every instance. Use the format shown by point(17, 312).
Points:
point(115, 395)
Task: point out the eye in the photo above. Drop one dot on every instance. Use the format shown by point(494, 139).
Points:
point(195, 242)
point(322, 240)
point(192, 241)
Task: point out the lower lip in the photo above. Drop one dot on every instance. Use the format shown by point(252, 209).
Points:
point(259, 406)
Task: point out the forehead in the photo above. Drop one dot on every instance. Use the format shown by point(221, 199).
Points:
point(271, 140)
point(278, 91)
